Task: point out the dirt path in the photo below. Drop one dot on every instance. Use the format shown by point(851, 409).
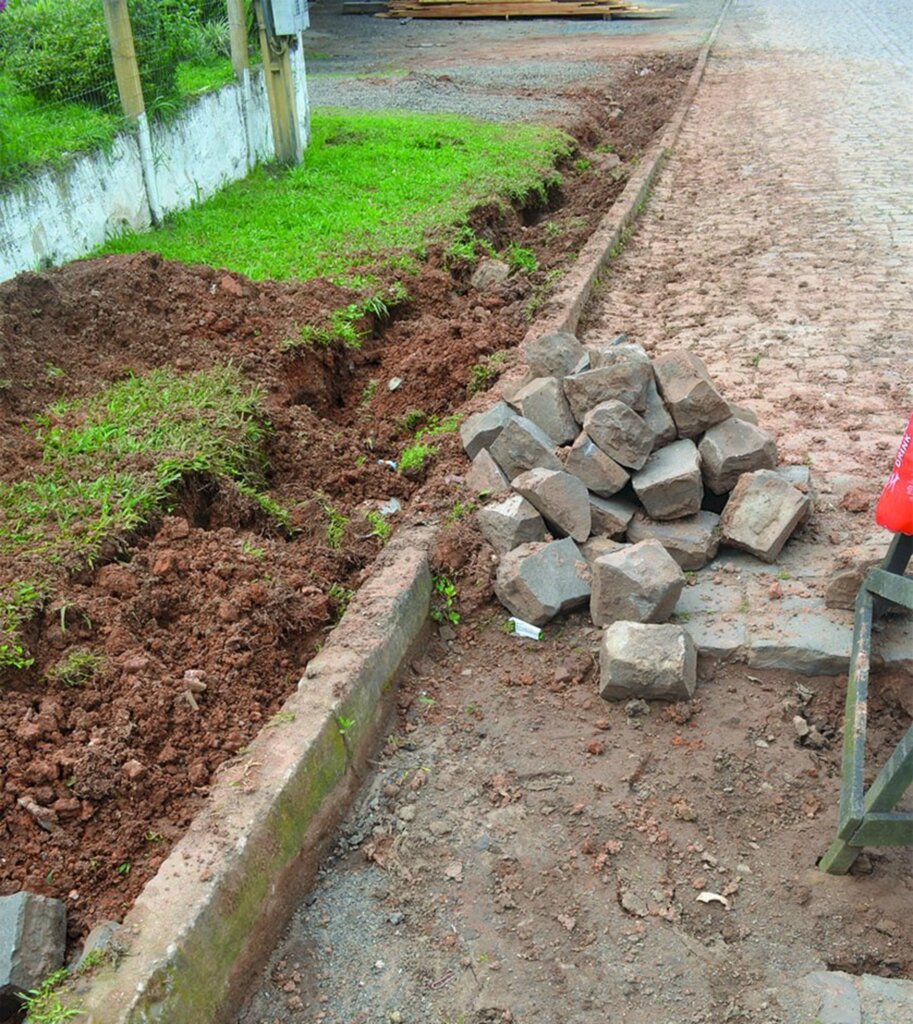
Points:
point(527, 853)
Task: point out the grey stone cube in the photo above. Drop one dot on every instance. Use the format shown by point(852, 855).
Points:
point(620, 433)
point(560, 498)
point(670, 484)
point(692, 541)
point(653, 662)
point(481, 429)
point(521, 445)
point(554, 355)
point(509, 523)
point(33, 933)
point(640, 583)
point(762, 513)
point(589, 463)
point(542, 402)
point(689, 393)
point(537, 581)
point(732, 448)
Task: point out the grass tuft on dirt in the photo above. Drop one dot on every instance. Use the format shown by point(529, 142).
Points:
point(370, 183)
point(114, 461)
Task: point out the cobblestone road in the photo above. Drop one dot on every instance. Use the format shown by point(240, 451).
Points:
point(779, 242)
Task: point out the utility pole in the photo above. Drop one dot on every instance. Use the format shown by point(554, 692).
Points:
point(130, 89)
point(280, 84)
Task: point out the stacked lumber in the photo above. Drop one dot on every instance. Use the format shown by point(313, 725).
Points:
point(516, 9)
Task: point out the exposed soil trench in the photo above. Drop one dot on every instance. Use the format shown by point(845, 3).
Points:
point(120, 765)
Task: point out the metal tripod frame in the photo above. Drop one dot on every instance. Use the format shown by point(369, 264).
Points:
point(869, 818)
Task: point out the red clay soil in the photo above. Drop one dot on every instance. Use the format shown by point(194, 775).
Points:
point(205, 621)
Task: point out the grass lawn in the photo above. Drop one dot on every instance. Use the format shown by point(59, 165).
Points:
point(112, 462)
point(370, 183)
point(35, 134)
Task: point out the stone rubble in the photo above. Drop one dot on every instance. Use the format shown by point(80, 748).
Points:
point(640, 488)
point(33, 933)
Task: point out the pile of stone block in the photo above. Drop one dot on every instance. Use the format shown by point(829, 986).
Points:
point(607, 475)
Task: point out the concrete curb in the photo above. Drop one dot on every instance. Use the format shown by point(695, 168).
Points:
point(568, 304)
point(225, 892)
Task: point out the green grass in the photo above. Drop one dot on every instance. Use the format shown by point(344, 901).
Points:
point(35, 134)
point(195, 78)
point(370, 183)
point(112, 462)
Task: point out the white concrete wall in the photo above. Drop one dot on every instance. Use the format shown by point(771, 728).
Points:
point(62, 214)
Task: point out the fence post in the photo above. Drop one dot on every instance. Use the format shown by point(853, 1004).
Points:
point(126, 71)
point(237, 24)
point(280, 89)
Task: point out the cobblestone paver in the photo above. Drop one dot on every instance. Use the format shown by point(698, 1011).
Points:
point(779, 242)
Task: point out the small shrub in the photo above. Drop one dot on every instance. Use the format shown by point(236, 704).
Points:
point(341, 596)
point(482, 375)
point(336, 525)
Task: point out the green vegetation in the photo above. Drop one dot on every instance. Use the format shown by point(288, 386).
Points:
point(112, 462)
point(370, 183)
point(435, 425)
point(482, 375)
point(380, 528)
point(414, 418)
point(79, 667)
point(57, 90)
point(414, 458)
point(43, 1004)
point(521, 259)
point(465, 247)
point(336, 525)
point(443, 601)
point(370, 390)
point(460, 510)
point(342, 596)
point(346, 325)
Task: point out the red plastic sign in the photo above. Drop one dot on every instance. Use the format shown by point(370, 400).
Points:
point(895, 506)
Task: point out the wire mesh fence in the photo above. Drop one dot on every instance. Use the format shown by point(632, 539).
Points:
point(58, 93)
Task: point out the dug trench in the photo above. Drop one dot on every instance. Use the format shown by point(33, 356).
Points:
point(193, 628)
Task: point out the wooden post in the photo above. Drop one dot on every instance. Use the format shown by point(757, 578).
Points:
point(130, 89)
point(126, 70)
point(280, 89)
point(240, 62)
point(238, 28)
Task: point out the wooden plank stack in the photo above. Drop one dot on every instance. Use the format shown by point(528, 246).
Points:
point(508, 9)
